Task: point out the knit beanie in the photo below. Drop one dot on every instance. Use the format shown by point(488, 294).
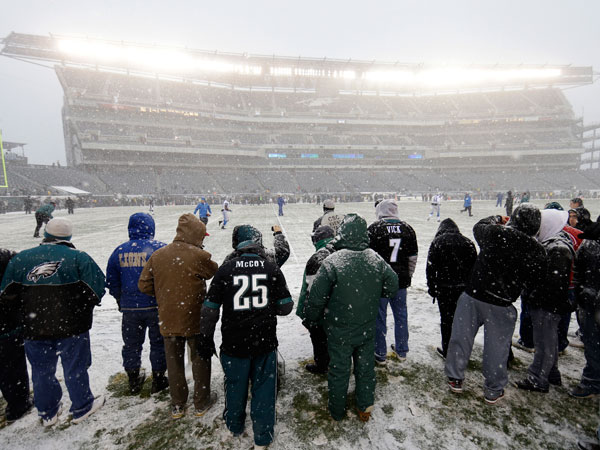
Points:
point(59, 228)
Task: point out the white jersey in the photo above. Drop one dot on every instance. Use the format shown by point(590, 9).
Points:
point(436, 200)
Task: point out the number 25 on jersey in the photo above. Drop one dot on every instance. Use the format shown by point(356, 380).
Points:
point(241, 302)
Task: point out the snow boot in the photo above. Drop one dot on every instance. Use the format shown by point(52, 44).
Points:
point(159, 382)
point(136, 380)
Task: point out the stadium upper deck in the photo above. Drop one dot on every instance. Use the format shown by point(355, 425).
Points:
point(166, 107)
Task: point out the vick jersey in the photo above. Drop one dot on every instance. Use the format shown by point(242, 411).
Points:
point(249, 288)
point(396, 242)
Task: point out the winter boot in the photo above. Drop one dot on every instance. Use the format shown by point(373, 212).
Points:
point(159, 382)
point(136, 380)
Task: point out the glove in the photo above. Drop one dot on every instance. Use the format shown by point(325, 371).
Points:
point(205, 347)
point(591, 232)
point(276, 229)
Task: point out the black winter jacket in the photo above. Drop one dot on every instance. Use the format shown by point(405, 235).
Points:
point(587, 275)
point(550, 292)
point(508, 261)
point(450, 261)
point(9, 317)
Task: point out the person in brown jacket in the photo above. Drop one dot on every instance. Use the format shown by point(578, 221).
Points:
point(176, 275)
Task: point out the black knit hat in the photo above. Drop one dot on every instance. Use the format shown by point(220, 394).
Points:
point(526, 218)
point(323, 232)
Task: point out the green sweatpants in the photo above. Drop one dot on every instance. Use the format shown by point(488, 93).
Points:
point(343, 350)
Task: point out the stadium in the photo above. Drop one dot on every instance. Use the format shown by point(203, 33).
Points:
point(143, 120)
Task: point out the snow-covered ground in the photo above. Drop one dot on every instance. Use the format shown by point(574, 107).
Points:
point(413, 407)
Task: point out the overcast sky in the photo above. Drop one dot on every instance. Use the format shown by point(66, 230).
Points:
point(429, 31)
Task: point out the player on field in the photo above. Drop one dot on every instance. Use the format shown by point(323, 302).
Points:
point(226, 213)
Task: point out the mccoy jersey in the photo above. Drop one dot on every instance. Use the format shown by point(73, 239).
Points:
point(395, 241)
point(249, 288)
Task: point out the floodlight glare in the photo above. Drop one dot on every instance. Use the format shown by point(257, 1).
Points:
point(156, 59)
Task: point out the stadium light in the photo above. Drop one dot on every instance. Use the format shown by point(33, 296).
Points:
point(454, 77)
point(150, 58)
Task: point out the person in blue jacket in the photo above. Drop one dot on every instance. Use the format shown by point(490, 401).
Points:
point(280, 202)
point(467, 204)
point(54, 288)
point(203, 210)
point(140, 311)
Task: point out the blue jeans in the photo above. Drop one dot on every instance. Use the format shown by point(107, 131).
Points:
point(398, 305)
point(133, 329)
point(590, 377)
point(76, 358)
point(260, 372)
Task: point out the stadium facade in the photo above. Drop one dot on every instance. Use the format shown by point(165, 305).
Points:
point(186, 120)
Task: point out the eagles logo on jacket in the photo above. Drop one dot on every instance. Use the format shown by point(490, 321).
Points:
point(53, 288)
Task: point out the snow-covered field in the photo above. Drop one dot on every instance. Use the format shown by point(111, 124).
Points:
point(413, 408)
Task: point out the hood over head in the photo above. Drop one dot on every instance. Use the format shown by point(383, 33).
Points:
point(526, 218)
point(447, 226)
point(584, 218)
point(190, 230)
point(387, 208)
point(352, 234)
point(552, 222)
point(328, 205)
point(246, 235)
point(322, 235)
point(141, 226)
point(554, 205)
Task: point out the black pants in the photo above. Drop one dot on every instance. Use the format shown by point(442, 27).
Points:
point(14, 380)
point(467, 208)
point(447, 305)
point(204, 220)
point(318, 337)
point(40, 219)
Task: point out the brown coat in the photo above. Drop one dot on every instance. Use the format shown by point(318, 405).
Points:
point(176, 275)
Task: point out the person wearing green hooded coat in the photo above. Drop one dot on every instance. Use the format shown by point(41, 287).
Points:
point(345, 296)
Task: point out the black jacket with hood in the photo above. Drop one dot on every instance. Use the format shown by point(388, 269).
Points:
point(509, 258)
point(550, 292)
point(278, 255)
point(450, 261)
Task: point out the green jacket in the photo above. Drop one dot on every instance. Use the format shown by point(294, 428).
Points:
point(46, 209)
point(350, 282)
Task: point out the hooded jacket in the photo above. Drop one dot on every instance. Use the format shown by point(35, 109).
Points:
point(587, 275)
point(53, 288)
point(395, 241)
point(45, 210)
point(176, 275)
point(348, 286)
point(550, 291)
point(509, 259)
point(450, 261)
point(127, 261)
point(278, 255)
point(323, 250)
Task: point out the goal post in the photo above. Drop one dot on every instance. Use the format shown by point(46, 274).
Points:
point(3, 179)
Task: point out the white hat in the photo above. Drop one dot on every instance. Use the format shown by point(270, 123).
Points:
point(328, 204)
point(59, 228)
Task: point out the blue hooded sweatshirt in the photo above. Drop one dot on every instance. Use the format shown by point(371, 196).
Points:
point(126, 263)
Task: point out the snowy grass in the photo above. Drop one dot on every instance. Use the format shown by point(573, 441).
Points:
point(413, 409)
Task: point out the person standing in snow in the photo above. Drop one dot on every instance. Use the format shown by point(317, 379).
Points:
point(396, 242)
point(253, 292)
point(140, 311)
point(280, 203)
point(14, 379)
point(42, 215)
point(345, 296)
point(509, 260)
point(329, 217)
point(203, 210)
point(176, 275)
point(509, 203)
point(436, 205)
point(547, 300)
point(54, 288)
point(449, 264)
point(226, 213)
point(278, 255)
point(321, 237)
